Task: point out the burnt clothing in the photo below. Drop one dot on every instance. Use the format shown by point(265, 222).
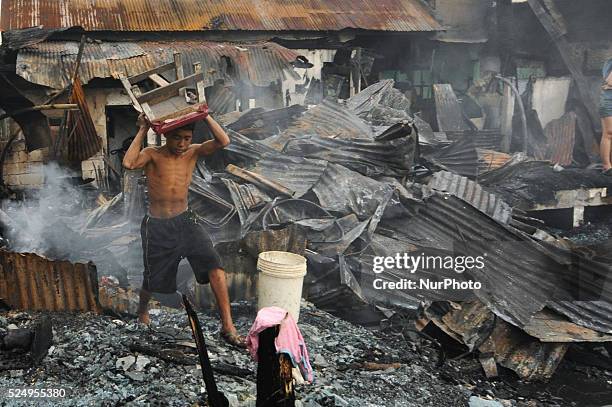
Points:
point(166, 241)
point(605, 99)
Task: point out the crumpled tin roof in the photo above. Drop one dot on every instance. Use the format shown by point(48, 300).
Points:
point(50, 63)
point(194, 15)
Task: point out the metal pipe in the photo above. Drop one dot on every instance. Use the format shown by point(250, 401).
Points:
point(521, 108)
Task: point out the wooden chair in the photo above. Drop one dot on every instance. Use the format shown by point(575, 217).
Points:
point(166, 106)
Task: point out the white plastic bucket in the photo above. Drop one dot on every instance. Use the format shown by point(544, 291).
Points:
point(281, 275)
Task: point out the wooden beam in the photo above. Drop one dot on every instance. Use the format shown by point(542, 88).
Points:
point(158, 80)
point(558, 35)
point(178, 66)
point(60, 106)
point(197, 68)
point(128, 89)
point(169, 90)
point(145, 75)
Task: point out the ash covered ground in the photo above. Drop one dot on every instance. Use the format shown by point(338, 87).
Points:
point(91, 358)
point(88, 351)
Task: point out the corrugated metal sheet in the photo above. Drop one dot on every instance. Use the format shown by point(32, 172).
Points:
point(518, 279)
point(367, 157)
point(329, 119)
point(29, 281)
point(561, 134)
point(472, 193)
point(194, 15)
point(260, 123)
point(16, 39)
point(344, 191)
point(296, 173)
point(448, 110)
point(460, 157)
point(487, 139)
point(521, 275)
point(596, 315)
point(50, 63)
point(489, 160)
point(525, 184)
point(244, 150)
point(84, 142)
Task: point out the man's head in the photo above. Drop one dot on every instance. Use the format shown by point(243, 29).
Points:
point(179, 140)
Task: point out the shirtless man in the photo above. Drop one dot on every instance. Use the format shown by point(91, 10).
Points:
point(170, 231)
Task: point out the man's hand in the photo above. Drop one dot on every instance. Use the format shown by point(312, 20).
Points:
point(142, 122)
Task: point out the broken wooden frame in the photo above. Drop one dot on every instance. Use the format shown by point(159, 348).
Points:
point(168, 100)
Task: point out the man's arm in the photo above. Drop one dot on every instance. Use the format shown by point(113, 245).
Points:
point(135, 158)
point(221, 138)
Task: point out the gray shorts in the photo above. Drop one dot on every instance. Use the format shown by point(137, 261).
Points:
point(605, 103)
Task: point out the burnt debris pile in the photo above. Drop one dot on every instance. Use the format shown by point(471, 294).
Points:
point(484, 249)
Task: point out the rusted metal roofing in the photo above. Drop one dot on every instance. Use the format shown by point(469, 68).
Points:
point(49, 63)
point(224, 15)
point(489, 160)
point(561, 135)
point(85, 141)
point(29, 281)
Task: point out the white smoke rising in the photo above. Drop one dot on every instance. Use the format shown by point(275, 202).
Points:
point(59, 201)
point(51, 223)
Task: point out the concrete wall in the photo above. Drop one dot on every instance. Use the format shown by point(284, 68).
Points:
point(97, 100)
point(22, 170)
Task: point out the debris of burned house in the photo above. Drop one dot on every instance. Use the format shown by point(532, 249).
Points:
point(428, 161)
point(23, 348)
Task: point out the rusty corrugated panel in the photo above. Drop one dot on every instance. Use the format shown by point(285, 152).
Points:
point(81, 140)
point(225, 15)
point(29, 281)
point(528, 357)
point(49, 63)
point(489, 160)
point(561, 134)
point(472, 193)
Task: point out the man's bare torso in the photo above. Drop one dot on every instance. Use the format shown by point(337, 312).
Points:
point(168, 179)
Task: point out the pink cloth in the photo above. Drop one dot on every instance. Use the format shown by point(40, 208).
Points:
point(288, 341)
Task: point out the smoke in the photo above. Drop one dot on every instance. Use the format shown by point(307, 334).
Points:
point(51, 222)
